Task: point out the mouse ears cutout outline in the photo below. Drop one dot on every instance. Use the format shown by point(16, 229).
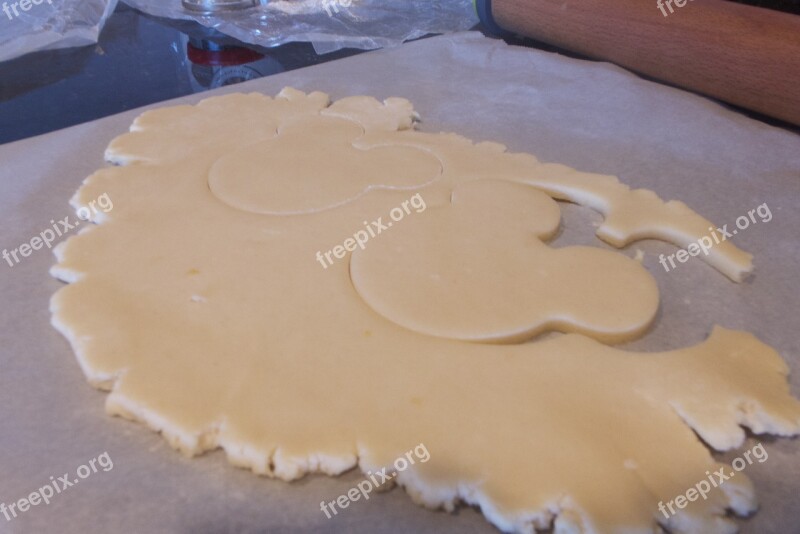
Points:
point(312, 165)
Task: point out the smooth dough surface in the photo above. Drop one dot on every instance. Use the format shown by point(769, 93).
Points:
point(198, 303)
point(472, 269)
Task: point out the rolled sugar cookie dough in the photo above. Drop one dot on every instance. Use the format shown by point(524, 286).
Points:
point(199, 302)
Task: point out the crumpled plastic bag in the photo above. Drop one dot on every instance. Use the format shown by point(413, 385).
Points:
point(329, 24)
point(48, 24)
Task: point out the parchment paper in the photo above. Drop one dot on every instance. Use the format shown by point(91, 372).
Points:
point(591, 116)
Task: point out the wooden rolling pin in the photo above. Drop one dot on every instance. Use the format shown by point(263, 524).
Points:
point(740, 54)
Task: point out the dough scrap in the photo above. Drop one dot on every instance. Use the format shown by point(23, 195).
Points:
point(216, 327)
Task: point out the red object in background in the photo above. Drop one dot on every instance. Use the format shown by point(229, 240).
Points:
point(225, 57)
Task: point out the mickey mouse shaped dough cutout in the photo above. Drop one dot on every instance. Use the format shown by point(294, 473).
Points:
point(478, 269)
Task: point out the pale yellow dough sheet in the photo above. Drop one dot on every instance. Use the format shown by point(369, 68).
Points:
point(198, 303)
